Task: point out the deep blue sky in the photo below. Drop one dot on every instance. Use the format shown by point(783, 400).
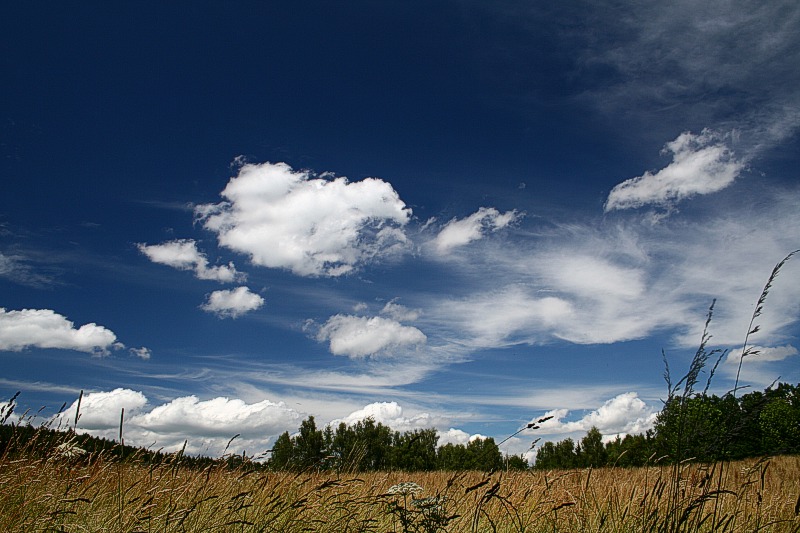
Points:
point(445, 214)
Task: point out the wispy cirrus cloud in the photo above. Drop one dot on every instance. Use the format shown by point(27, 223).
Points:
point(313, 226)
point(623, 279)
point(232, 303)
point(184, 255)
point(44, 328)
point(721, 64)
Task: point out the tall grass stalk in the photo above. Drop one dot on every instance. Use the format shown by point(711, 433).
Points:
point(752, 328)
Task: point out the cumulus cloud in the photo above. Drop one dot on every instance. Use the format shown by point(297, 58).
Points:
point(622, 415)
point(184, 255)
point(453, 436)
point(102, 410)
point(461, 232)
point(207, 426)
point(44, 328)
point(701, 164)
point(313, 226)
point(232, 303)
point(458, 436)
point(389, 414)
point(358, 336)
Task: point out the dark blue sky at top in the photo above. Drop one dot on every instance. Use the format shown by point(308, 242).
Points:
point(116, 119)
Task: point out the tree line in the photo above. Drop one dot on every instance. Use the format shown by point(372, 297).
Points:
point(368, 445)
point(699, 427)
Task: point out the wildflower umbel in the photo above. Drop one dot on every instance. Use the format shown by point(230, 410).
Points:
point(427, 504)
point(405, 488)
point(69, 450)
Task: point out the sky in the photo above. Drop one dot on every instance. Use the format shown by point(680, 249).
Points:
point(225, 217)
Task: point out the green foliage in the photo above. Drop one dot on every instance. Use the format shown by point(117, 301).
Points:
point(516, 462)
point(414, 450)
point(592, 451)
point(779, 420)
point(283, 453)
point(368, 446)
point(559, 455)
point(702, 428)
point(308, 445)
point(478, 454)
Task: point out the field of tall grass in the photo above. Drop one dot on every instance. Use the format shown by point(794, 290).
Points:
point(60, 489)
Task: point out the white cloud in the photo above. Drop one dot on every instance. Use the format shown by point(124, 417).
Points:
point(206, 425)
point(141, 353)
point(218, 417)
point(624, 414)
point(458, 436)
point(613, 280)
point(761, 354)
point(399, 312)
point(701, 164)
point(454, 436)
point(16, 268)
point(103, 410)
point(313, 226)
point(759, 367)
point(593, 277)
point(184, 255)
point(43, 328)
point(389, 414)
point(232, 303)
point(357, 336)
point(503, 317)
point(461, 232)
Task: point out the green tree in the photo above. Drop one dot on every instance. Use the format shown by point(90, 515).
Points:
point(452, 457)
point(282, 457)
point(366, 445)
point(483, 454)
point(780, 420)
point(516, 462)
point(559, 455)
point(694, 428)
point(632, 450)
point(415, 450)
point(308, 445)
point(593, 452)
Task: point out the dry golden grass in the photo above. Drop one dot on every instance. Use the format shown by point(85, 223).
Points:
point(95, 494)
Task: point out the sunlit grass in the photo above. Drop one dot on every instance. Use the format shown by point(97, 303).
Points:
point(47, 490)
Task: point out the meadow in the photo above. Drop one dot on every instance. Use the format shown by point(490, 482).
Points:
point(62, 489)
